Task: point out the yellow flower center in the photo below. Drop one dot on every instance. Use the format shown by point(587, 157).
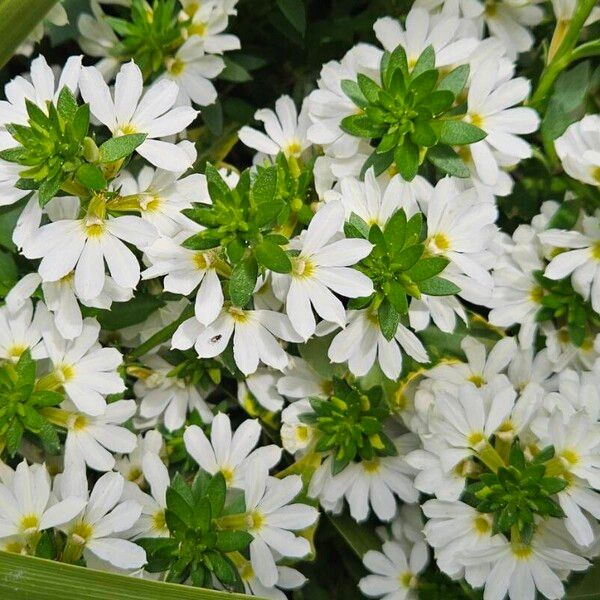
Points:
point(227, 474)
point(570, 456)
point(29, 524)
point(477, 120)
point(191, 9)
point(238, 314)
point(407, 580)
point(521, 551)
point(490, 9)
point(371, 466)
point(126, 129)
point(596, 174)
point(477, 380)
point(15, 547)
point(302, 267)
point(80, 422)
point(302, 433)
point(201, 261)
point(197, 29)
point(158, 520)
point(596, 251)
point(82, 532)
point(246, 572)
point(440, 241)
point(293, 148)
point(482, 525)
point(176, 67)
point(65, 372)
point(151, 204)
point(536, 294)
point(475, 438)
point(16, 350)
point(256, 520)
point(134, 474)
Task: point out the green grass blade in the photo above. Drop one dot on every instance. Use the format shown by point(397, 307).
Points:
point(17, 20)
point(29, 578)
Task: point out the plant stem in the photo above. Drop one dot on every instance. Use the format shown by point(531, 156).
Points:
point(564, 53)
point(17, 20)
point(161, 336)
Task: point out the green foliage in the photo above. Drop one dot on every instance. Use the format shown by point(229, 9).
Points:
point(51, 145)
point(517, 493)
point(563, 306)
point(197, 548)
point(399, 267)
point(350, 424)
point(21, 406)
point(409, 115)
point(148, 36)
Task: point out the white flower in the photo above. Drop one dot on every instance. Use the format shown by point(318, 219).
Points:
point(395, 577)
point(83, 245)
point(454, 527)
point(579, 150)
point(581, 260)
point(461, 228)
point(328, 104)
point(517, 295)
point(262, 387)
point(208, 23)
point(227, 454)
point(285, 131)
point(322, 267)
point(421, 30)
point(192, 70)
point(91, 440)
point(375, 482)
point(26, 504)
point(185, 270)
point(519, 570)
point(287, 579)
point(130, 465)
point(296, 436)
point(361, 343)
point(481, 368)
point(131, 112)
point(39, 87)
point(254, 337)
point(98, 530)
point(300, 380)
point(86, 371)
point(152, 521)
point(272, 519)
point(163, 194)
point(171, 397)
point(97, 38)
point(511, 21)
point(20, 331)
point(489, 103)
point(376, 200)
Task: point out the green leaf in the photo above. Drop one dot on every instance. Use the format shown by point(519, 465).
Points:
point(566, 215)
point(264, 186)
point(448, 161)
point(397, 297)
point(437, 286)
point(395, 231)
point(568, 100)
point(425, 62)
point(389, 318)
point(66, 104)
point(455, 81)
point(20, 578)
point(361, 126)
point(406, 158)
point(90, 176)
point(212, 115)
point(353, 91)
point(243, 281)
point(234, 72)
point(360, 537)
point(390, 63)
point(132, 312)
point(368, 87)
point(295, 12)
point(273, 257)
point(427, 267)
point(8, 272)
point(232, 541)
point(119, 147)
point(458, 133)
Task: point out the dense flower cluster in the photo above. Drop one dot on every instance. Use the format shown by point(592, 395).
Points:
point(197, 358)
